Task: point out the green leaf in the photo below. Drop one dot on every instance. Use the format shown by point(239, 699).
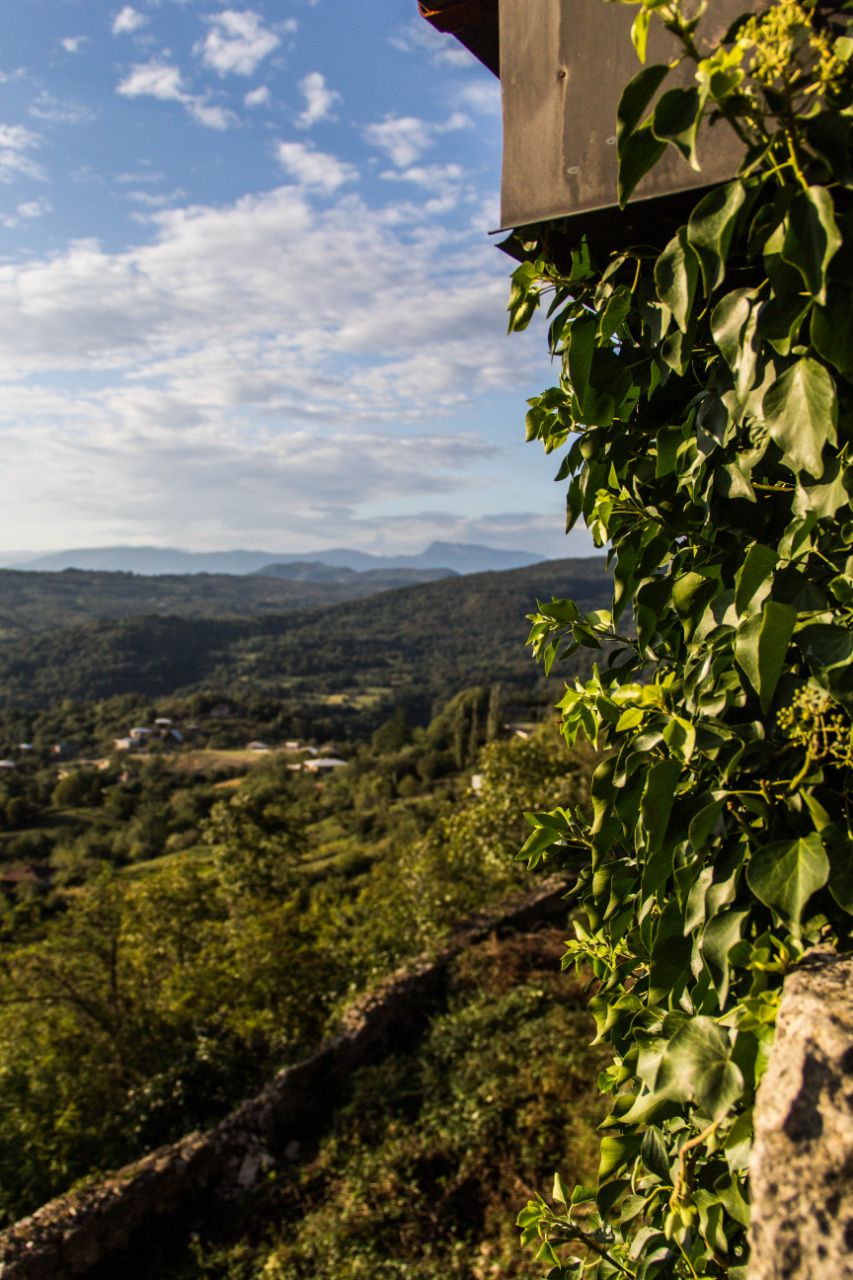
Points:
point(800, 410)
point(676, 275)
point(761, 645)
point(728, 321)
point(785, 874)
point(658, 799)
point(697, 1067)
point(615, 1152)
point(654, 1154)
point(754, 578)
point(676, 119)
point(721, 934)
point(738, 1144)
point(840, 851)
point(581, 347)
point(831, 331)
point(638, 153)
point(710, 229)
point(640, 32)
point(637, 95)
point(812, 238)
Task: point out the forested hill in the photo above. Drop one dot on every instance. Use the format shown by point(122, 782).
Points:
point(438, 637)
point(31, 602)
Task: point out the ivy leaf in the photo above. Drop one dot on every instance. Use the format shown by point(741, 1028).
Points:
point(710, 229)
point(812, 238)
point(581, 347)
point(676, 275)
point(697, 1067)
point(658, 799)
point(676, 119)
point(728, 321)
point(831, 331)
point(755, 578)
point(640, 32)
point(761, 645)
point(800, 410)
point(637, 95)
point(721, 934)
point(841, 868)
point(654, 1155)
point(615, 1152)
point(639, 153)
point(784, 875)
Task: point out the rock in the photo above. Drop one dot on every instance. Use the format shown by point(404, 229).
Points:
point(801, 1169)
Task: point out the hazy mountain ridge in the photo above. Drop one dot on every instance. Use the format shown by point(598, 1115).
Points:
point(460, 557)
point(316, 571)
point(437, 637)
point(32, 601)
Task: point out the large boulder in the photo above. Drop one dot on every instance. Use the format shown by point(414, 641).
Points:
point(801, 1170)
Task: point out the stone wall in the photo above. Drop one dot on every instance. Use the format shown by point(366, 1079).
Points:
point(85, 1233)
point(801, 1170)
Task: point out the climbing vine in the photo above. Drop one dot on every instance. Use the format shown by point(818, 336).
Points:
point(704, 410)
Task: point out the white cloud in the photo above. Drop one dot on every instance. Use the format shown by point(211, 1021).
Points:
point(404, 139)
point(128, 20)
point(319, 100)
point(164, 81)
point(33, 208)
point(154, 79)
point(259, 97)
point(237, 42)
point(46, 107)
point(418, 36)
point(16, 137)
point(314, 169)
point(164, 200)
point(481, 96)
point(212, 117)
point(73, 44)
point(444, 182)
point(25, 212)
point(16, 142)
point(276, 364)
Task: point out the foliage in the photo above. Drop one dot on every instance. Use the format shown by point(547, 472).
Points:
point(427, 1151)
point(413, 643)
point(705, 404)
point(144, 1005)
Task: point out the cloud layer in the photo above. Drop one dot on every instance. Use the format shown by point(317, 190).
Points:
point(279, 365)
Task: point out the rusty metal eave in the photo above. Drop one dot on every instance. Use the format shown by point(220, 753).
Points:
point(474, 23)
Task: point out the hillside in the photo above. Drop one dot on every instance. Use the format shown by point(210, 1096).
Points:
point(38, 601)
point(438, 637)
point(379, 579)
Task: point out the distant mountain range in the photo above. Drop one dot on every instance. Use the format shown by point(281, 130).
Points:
point(453, 556)
point(278, 638)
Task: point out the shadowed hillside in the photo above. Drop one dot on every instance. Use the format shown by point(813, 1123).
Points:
point(441, 636)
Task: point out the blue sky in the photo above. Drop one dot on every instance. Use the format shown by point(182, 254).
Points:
point(247, 294)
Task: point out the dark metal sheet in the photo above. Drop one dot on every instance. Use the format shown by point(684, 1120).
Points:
point(563, 66)
point(473, 22)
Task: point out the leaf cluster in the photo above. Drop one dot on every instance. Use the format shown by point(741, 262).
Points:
point(704, 413)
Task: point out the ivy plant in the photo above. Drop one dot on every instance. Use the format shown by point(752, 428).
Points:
point(704, 413)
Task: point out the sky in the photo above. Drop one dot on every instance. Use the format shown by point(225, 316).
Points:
point(248, 296)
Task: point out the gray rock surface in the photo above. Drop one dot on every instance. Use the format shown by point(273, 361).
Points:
point(801, 1170)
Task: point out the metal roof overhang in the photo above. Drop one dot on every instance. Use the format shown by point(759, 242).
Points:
point(562, 69)
point(474, 23)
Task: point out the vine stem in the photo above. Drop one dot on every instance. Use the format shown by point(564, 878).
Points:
point(690, 1145)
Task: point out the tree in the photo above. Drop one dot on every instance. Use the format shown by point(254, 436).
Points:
point(705, 407)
